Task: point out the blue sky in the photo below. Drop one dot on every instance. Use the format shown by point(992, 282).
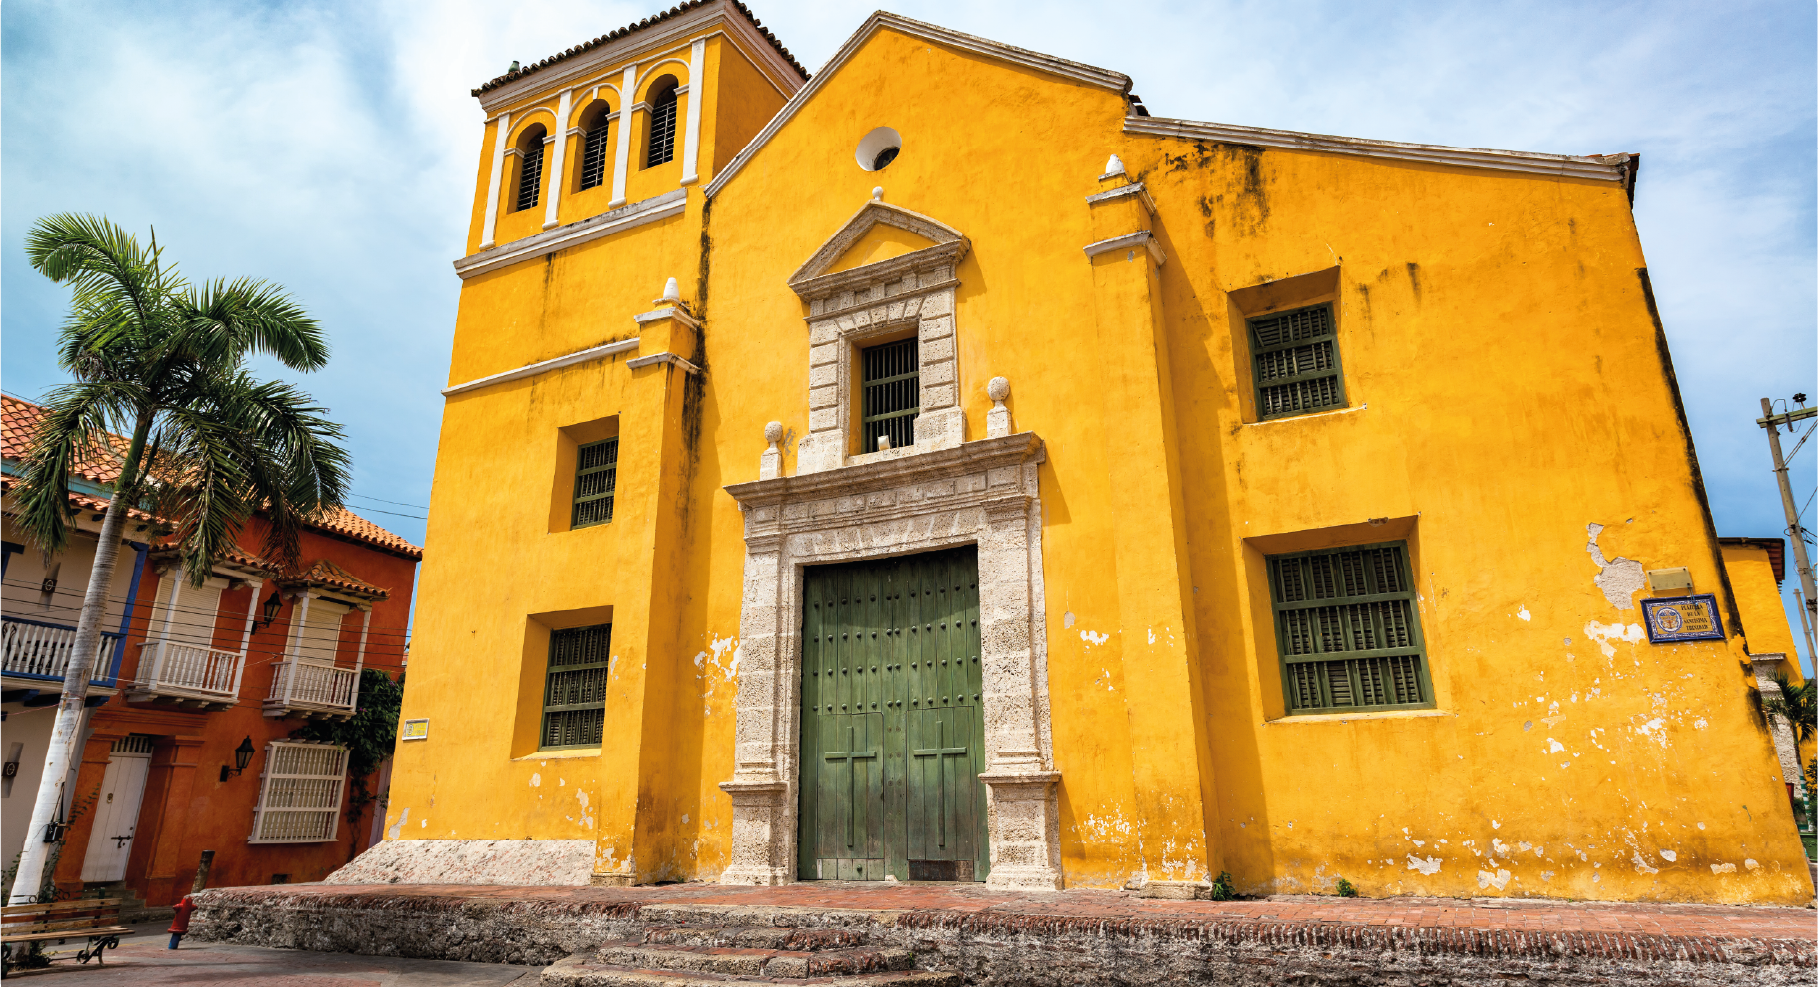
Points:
point(331, 147)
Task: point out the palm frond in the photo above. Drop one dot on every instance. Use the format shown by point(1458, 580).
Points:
point(229, 319)
point(100, 261)
point(73, 431)
point(206, 498)
point(1799, 704)
point(306, 470)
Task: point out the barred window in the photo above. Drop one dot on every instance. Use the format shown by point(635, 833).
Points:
point(1296, 357)
point(893, 392)
point(596, 477)
point(299, 793)
point(1348, 630)
point(662, 127)
point(530, 171)
point(574, 690)
point(593, 153)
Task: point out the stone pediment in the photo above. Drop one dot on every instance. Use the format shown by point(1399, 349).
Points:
point(817, 278)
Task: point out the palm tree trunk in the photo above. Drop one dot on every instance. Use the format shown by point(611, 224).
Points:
point(65, 744)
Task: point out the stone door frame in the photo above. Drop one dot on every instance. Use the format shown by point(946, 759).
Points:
point(984, 493)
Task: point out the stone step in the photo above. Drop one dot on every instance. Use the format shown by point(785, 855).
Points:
point(754, 962)
point(755, 937)
point(584, 970)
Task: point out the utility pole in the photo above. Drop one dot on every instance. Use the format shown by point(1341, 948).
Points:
point(1794, 530)
point(1805, 622)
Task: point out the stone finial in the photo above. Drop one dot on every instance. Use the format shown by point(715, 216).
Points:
point(771, 465)
point(878, 193)
point(672, 293)
point(1114, 166)
point(997, 420)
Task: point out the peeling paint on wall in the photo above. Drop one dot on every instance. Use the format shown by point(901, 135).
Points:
point(1619, 579)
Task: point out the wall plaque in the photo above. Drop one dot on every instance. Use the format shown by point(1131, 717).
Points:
point(1682, 618)
point(414, 730)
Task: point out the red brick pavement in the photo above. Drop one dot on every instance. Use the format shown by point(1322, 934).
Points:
point(1510, 914)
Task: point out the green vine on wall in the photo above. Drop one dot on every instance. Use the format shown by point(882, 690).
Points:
point(369, 735)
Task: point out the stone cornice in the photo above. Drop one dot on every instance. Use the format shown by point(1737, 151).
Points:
point(848, 481)
point(1137, 189)
point(1605, 167)
point(574, 234)
point(868, 302)
point(868, 216)
point(1074, 71)
point(884, 271)
point(638, 363)
point(580, 356)
point(1129, 241)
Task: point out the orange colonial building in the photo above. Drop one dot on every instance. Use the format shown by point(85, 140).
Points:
point(187, 679)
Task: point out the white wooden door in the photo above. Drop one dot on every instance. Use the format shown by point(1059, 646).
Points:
point(117, 809)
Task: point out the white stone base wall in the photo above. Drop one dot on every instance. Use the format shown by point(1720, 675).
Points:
point(563, 863)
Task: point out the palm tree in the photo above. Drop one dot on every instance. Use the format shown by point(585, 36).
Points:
point(1799, 705)
point(160, 360)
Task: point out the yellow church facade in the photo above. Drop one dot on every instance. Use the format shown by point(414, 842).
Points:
point(940, 468)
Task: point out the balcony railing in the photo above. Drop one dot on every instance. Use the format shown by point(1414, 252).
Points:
point(36, 649)
point(311, 686)
point(187, 673)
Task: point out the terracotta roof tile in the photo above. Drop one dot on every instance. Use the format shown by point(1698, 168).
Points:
point(19, 419)
point(345, 522)
point(326, 573)
point(640, 25)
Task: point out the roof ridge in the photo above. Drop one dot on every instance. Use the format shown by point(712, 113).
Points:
point(629, 29)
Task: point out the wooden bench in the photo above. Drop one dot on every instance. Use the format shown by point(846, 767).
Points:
point(22, 926)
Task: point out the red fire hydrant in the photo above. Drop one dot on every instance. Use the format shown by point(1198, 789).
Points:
point(179, 925)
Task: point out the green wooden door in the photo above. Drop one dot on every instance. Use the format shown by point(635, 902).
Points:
point(892, 728)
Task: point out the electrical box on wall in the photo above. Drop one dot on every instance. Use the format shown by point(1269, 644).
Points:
point(1670, 580)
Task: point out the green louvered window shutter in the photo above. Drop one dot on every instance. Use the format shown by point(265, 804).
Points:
point(530, 176)
point(574, 689)
point(1296, 356)
point(1348, 630)
point(596, 476)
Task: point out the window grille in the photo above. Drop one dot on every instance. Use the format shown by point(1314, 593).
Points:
point(593, 157)
point(574, 691)
point(300, 793)
point(596, 477)
point(1297, 367)
point(893, 392)
point(1348, 630)
point(530, 176)
point(662, 130)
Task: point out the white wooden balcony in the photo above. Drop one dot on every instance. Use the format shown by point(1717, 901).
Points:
point(36, 653)
point(312, 687)
point(187, 674)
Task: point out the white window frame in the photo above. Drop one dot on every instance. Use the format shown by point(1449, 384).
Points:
point(293, 781)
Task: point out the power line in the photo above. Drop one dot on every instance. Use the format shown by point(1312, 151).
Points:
point(420, 507)
point(375, 510)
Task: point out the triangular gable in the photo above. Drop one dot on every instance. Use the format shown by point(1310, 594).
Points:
point(873, 213)
point(1091, 75)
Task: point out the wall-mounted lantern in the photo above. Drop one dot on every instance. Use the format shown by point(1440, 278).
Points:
point(242, 757)
point(269, 612)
